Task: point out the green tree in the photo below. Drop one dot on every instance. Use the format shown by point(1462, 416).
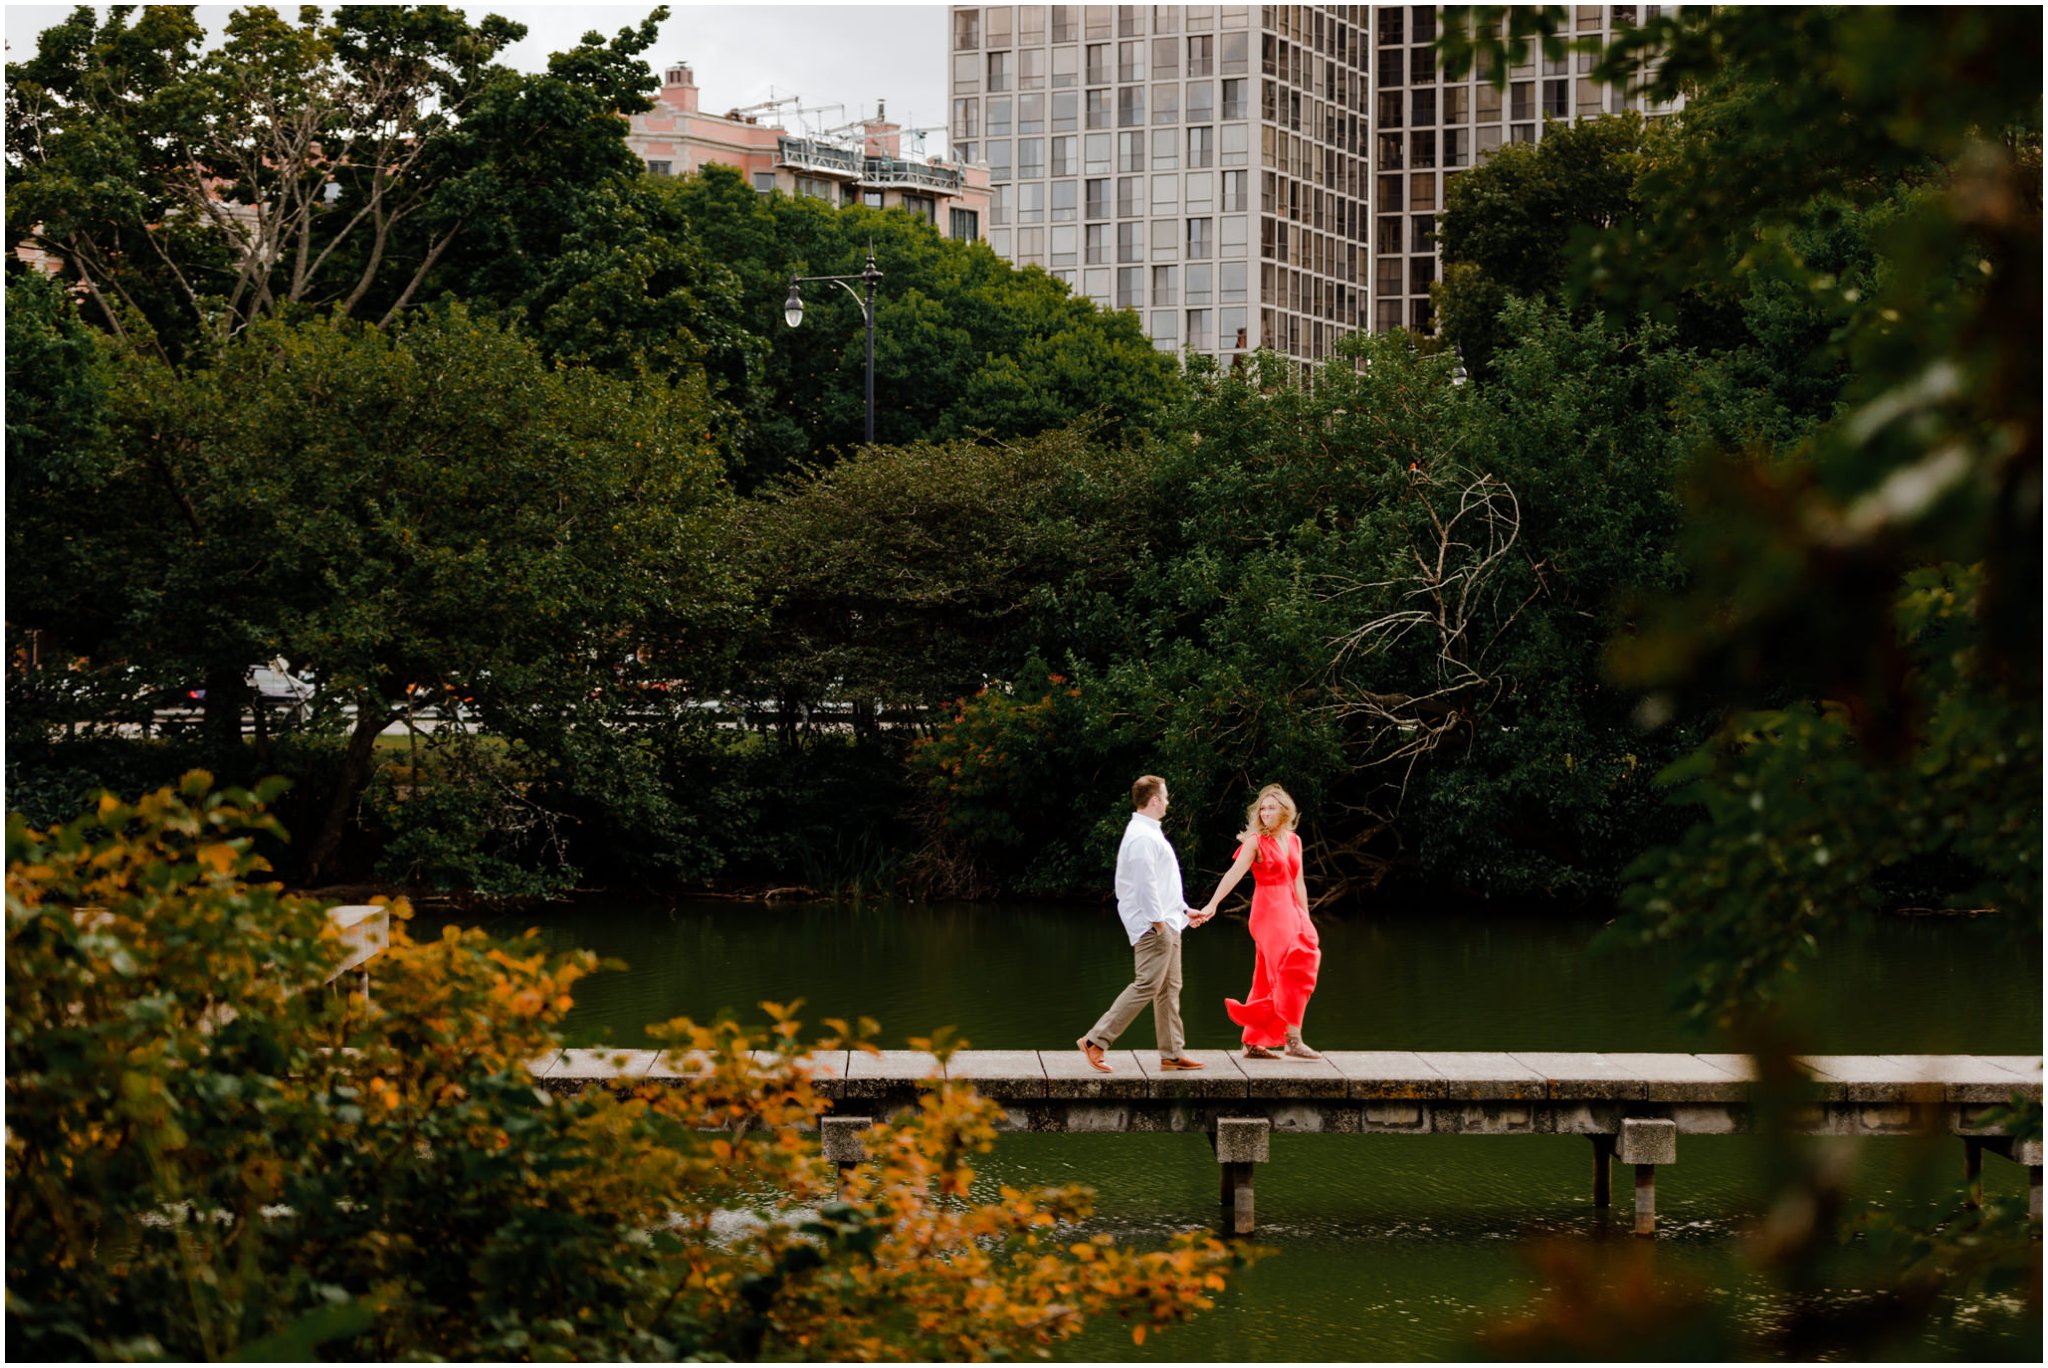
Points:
point(361, 162)
point(1510, 224)
point(432, 506)
point(964, 342)
point(210, 1156)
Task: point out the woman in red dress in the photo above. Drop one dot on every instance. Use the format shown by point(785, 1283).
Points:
point(1289, 952)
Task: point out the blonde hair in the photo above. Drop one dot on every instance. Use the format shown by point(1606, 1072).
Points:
point(1290, 812)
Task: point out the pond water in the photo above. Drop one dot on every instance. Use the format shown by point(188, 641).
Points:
point(1388, 1247)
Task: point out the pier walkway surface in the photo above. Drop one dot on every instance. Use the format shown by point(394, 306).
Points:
point(1632, 1107)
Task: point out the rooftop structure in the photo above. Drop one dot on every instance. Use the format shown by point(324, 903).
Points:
point(862, 163)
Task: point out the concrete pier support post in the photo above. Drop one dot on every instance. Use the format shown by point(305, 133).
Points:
point(1241, 1142)
point(1647, 1143)
point(843, 1145)
point(1603, 1169)
point(1973, 1171)
point(2028, 1152)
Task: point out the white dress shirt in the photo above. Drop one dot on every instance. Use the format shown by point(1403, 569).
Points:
point(1148, 887)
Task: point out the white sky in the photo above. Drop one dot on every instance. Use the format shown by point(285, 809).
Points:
point(832, 54)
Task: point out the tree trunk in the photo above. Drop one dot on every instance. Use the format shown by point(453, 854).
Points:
point(371, 718)
point(222, 721)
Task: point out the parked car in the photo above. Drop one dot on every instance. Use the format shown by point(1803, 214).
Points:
point(275, 686)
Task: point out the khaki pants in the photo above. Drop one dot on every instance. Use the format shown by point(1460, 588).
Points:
point(1158, 985)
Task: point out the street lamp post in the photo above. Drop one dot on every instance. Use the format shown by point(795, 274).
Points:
point(793, 314)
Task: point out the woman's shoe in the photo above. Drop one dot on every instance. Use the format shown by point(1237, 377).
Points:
point(1260, 1052)
point(1297, 1048)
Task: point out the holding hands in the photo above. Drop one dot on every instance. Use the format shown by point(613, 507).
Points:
point(1198, 915)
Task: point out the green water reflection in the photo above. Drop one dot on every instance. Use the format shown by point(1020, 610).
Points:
point(1389, 1246)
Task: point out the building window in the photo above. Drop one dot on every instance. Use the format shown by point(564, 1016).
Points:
point(1165, 58)
point(817, 187)
point(1201, 147)
point(1201, 192)
point(1130, 106)
point(1236, 140)
point(1063, 192)
point(966, 28)
point(1063, 247)
point(1201, 56)
point(1165, 194)
point(1130, 61)
point(1130, 151)
point(1165, 150)
point(1030, 114)
point(1165, 331)
point(1236, 54)
point(764, 181)
point(999, 159)
point(1066, 23)
point(998, 72)
point(1236, 104)
point(1095, 239)
point(964, 225)
point(873, 199)
point(1419, 315)
point(1232, 274)
point(1165, 290)
point(1095, 152)
point(1165, 104)
point(1422, 149)
point(1198, 283)
point(1391, 152)
point(1130, 241)
point(1522, 100)
point(1030, 158)
point(1128, 203)
point(1031, 202)
point(1066, 68)
point(1031, 68)
point(1130, 287)
point(1098, 109)
point(999, 118)
point(966, 73)
point(966, 118)
point(1066, 156)
point(660, 168)
point(1457, 104)
point(1097, 199)
point(1421, 271)
point(1200, 243)
point(1198, 330)
point(1096, 67)
point(1165, 240)
point(1557, 97)
point(1236, 194)
point(1422, 230)
point(1457, 146)
point(1424, 105)
point(1201, 102)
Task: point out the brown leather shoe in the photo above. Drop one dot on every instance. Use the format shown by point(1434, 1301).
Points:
point(1092, 1052)
point(1182, 1063)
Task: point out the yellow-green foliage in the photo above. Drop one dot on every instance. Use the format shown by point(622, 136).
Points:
point(209, 1155)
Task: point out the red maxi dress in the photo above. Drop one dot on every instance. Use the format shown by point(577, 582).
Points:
point(1289, 951)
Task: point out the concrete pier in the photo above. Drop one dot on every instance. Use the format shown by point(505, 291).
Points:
point(1633, 1107)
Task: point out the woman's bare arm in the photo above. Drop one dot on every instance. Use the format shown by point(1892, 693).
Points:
point(1249, 849)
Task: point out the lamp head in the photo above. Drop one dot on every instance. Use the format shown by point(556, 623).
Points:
point(793, 307)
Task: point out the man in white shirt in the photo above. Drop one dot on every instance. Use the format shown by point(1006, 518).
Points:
point(1154, 912)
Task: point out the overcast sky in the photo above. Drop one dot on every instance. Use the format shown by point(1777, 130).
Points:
point(844, 55)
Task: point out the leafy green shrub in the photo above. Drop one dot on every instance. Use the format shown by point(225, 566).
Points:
point(195, 1171)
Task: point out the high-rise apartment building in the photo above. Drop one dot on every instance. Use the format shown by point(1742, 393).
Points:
point(1240, 175)
point(1428, 128)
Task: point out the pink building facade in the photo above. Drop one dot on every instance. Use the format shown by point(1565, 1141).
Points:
point(677, 137)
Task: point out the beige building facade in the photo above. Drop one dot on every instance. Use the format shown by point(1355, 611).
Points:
point(1239, 175)
point(863, 165)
